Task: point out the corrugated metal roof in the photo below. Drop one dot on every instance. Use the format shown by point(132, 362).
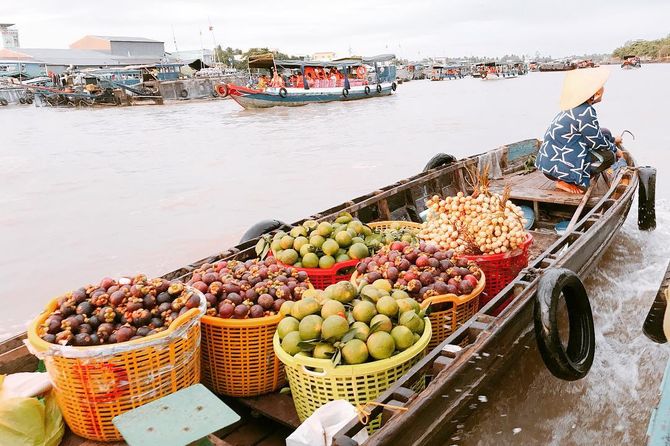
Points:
point(66, 56)
point(127, 39)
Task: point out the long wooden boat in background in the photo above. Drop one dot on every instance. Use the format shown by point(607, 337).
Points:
point(361, 78)
point(480, 349)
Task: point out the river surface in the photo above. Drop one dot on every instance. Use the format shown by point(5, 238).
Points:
point(90, 193)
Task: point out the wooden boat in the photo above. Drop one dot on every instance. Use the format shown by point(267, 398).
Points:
point(474, 355)
point(351, 80)
point(630, 62)
point(496, 70)
point(557, 66)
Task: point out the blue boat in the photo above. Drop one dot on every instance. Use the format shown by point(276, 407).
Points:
point(296, 82)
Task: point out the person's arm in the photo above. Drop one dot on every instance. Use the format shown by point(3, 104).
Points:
point(590, 128)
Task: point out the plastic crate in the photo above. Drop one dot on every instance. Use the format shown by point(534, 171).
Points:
point(315, 382)
point(237, 356)
point(94, 384)
point(501, 269)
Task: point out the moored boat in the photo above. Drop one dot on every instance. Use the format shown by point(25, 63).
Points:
point(297, 82)
point(557, 66)
point(474, 354)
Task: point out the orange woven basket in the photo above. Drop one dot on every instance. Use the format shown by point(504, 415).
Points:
point(94, 384)
point(238, 358)
point(449, 310)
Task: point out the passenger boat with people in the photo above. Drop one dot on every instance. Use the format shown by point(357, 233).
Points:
point(630, 62)
point(497, 70)
point(458, 369)
point(296, 82)
point(565, 65)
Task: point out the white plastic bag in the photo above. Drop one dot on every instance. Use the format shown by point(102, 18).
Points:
point(326, 421)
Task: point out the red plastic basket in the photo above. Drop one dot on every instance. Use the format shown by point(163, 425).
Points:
point(322, 277)
point(501, 269)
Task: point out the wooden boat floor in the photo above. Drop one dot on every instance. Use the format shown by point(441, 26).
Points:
point(536, 187)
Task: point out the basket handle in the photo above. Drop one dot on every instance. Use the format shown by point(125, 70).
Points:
point(307, 371)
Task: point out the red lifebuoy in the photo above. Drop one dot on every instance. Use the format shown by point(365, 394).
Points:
point(361, 72)
point(221, 90)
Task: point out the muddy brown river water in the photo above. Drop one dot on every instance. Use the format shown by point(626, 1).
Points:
point(89, 193)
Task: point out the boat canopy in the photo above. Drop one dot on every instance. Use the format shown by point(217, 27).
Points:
point(268, 61)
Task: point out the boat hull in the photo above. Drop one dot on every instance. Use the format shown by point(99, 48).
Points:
point(249, 98)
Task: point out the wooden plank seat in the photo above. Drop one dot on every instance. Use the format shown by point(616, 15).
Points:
point(538, 188)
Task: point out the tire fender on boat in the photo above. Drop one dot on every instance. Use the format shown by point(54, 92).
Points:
point(183, 94)
point(646, 194)
point(221, 90)
point(394, 86)
point(439, 160)
point(262, 227)
point(367, 89)
point(282, 92)
point(379, 88)
point(22, 101)
point(345, 92)
point(574, 361)
point(3, 102)
point(29, 101)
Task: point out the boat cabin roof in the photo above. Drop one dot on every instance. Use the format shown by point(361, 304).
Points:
point(268, 61)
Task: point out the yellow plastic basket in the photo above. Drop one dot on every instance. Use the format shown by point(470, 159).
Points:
point(237, 356)
point(382, 225)
point(449, 310)
point(94, 384)
point(315, 382)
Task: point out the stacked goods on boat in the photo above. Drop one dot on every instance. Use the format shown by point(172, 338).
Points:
point(342, 344)
point(327, 251)
point(243, 302)
point(484, 227)
point(115, 346)
point(429, 274)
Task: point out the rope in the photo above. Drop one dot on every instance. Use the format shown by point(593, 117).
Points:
point(364, 414)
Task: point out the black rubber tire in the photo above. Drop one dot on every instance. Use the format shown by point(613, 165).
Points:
point(183, 94)
point(367, 89)
point(379, 88)
point(345, 92)
point(484, 75)
point(282, 92)
point(439, 160)
point(646, 194)
point(3, 102)
point(574, 362)
point(29, 101)
point(394, 86)
point(262, 227)
point(22, 101)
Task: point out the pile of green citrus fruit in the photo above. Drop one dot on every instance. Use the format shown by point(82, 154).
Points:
point(321, 245)
point(347, 326)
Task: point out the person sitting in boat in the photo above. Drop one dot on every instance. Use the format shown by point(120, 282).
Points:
point(277, 81)
point(262, 82)
point(575, 147)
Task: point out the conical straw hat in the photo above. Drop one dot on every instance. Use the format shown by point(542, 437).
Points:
point(579, 85)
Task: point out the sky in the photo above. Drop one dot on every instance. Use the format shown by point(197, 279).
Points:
point(411, 29)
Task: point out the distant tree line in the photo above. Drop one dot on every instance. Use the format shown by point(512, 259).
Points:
point(652, 49)
point(227, 56)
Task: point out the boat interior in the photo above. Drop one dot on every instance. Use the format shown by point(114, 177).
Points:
point(267, 420)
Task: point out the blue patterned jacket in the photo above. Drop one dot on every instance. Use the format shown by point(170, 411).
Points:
point(565, 153)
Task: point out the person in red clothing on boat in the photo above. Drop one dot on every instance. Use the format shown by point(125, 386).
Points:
point(575, 147)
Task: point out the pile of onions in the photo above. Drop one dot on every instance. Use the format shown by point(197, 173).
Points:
point(484, 223)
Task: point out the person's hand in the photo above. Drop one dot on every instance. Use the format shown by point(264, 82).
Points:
point(619, 153)
point(618, 140)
